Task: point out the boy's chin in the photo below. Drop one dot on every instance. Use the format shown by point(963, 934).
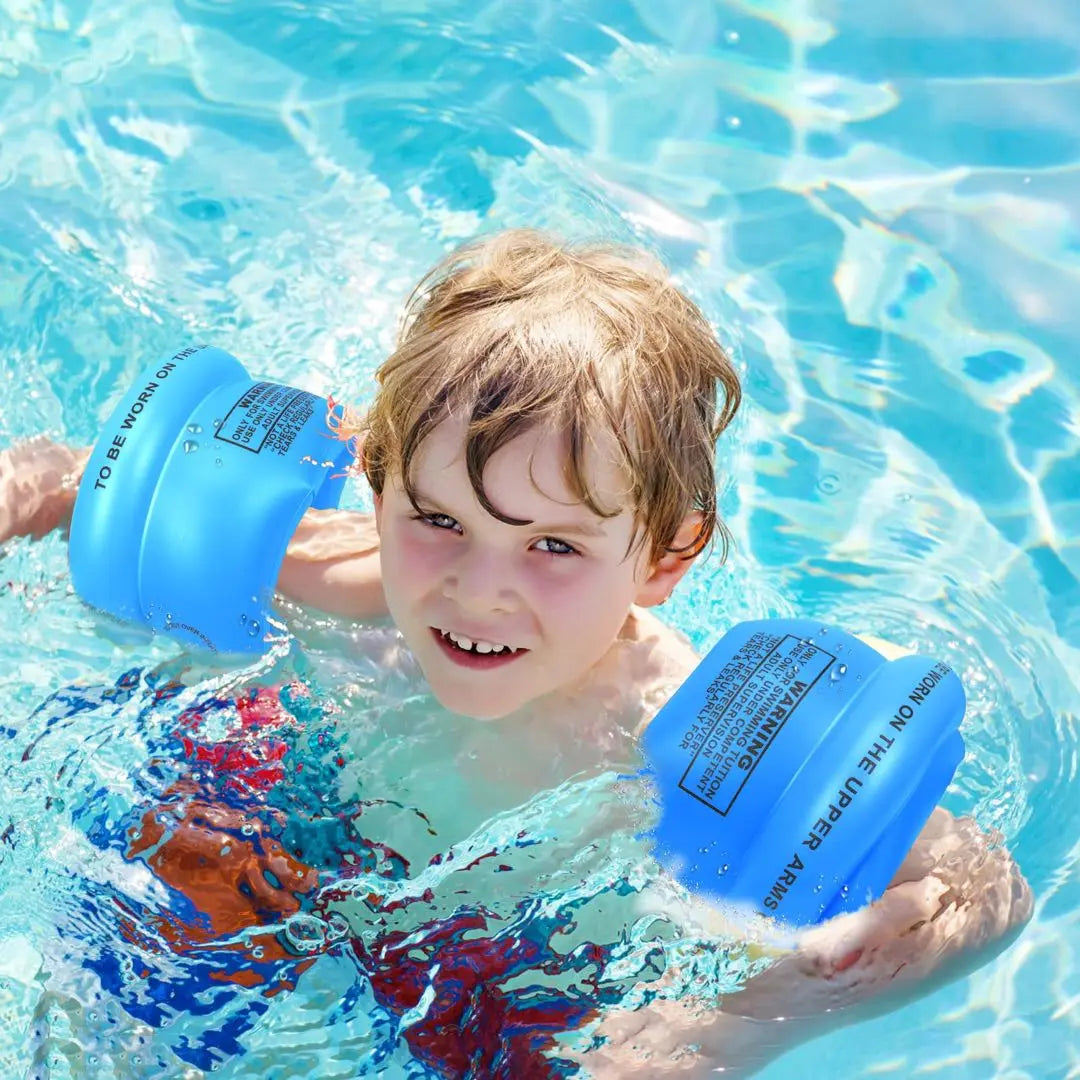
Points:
point(468, 705)
point(474, 710)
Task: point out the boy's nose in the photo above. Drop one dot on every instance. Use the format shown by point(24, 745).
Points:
point(480, 582)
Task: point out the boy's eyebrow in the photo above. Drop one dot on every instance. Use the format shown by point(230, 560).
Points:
point(582, 528)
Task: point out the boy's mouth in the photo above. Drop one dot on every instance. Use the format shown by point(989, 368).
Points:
point(474, 654)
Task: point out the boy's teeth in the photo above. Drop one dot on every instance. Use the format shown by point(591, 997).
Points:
point(463, 642)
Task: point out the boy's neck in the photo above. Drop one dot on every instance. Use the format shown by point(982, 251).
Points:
point(645, 663)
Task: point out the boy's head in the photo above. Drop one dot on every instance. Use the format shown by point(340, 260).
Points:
point(538, 386)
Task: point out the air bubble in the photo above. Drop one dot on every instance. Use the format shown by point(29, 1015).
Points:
point(195, 429)
point(305, 932)
point(247, 828)
point(732, 37)
point(838, 673)
point(218, 462)
point(254, 628)
point(828, 484)
point(733, 123)
point(225, 850)
point(257, 952)
point(339, 925)
point(217, 423)
point(190, 446)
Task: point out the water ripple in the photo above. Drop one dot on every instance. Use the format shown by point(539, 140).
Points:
point(876, 203)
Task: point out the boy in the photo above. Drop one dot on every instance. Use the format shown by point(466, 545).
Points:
point(541, 455)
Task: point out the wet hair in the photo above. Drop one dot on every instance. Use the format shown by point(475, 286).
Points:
point(520, 330)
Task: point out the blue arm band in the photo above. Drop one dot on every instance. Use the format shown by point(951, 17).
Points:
point(191, 496)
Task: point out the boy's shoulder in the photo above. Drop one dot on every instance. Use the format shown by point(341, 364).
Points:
point(667, 643)
point(644, 667)
point(647, 663)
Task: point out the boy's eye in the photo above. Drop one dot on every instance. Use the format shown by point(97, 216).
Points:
point(557, 547)
point(438, 521)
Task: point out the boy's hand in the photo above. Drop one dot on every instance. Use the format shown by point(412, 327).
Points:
point(38, 483)
point(957, 893)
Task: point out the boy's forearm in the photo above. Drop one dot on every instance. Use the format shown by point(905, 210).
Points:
point(958, 899)
point(332, 563)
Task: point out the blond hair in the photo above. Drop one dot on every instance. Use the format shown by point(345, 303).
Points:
point(520, 329)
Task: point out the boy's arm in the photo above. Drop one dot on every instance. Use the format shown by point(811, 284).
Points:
point(958, 899)
point(332, 563)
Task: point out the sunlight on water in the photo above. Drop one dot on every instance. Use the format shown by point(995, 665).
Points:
point(877, 204)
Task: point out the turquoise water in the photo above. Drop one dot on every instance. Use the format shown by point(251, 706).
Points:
point(876, 203)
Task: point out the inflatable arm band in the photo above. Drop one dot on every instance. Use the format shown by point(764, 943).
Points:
point(191, 496)
point(796, 767)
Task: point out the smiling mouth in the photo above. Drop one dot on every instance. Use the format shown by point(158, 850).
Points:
point(475, 654)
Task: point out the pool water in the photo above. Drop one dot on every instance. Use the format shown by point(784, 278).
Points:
point(877, 204)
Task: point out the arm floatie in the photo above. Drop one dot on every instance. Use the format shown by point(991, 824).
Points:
point(796, 767)
point(192, 494)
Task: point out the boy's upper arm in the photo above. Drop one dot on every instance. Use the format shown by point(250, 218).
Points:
point(332, 563)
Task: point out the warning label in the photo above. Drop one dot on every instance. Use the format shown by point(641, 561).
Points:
point(267, 417)
point(746, 707)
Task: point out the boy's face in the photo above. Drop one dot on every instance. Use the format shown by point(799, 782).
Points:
point(558, 591)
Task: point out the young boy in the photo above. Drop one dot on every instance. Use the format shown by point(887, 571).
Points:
point(540, 450)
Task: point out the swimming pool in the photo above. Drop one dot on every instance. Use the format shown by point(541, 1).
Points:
point(877, 204)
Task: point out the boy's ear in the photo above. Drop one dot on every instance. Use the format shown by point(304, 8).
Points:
point(667, 571)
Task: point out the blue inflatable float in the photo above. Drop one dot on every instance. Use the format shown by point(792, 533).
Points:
point(796, 766)
point(191, 496)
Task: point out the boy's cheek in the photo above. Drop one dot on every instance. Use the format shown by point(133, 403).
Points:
point(420, 552)
point(412, 566)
